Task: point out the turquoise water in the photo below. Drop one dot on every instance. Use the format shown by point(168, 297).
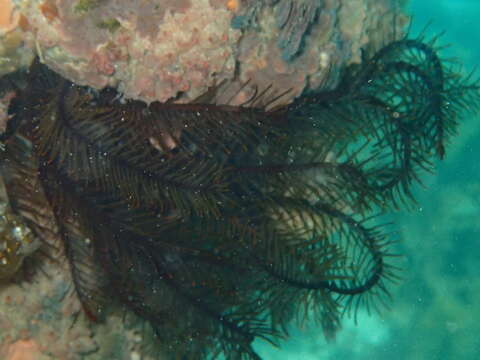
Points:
point(435, 310)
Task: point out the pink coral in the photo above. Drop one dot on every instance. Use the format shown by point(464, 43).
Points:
point(164, 49)
point(22, 350)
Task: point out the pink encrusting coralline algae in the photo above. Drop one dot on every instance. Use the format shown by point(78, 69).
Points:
point(164, 49)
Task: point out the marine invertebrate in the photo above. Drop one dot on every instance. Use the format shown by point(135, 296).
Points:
point(219, 224)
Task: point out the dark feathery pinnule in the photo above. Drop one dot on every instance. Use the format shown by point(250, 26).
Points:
point(221, 224)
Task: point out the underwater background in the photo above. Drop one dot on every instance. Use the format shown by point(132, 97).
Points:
point(436, 307)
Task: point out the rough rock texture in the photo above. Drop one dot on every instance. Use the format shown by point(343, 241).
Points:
point(158, 50)
point(41, 319)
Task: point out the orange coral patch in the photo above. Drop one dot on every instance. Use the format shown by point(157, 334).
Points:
point(49, 10)
point(23, 350)
point(23, 23)
point(8, 17)
point(233, 5)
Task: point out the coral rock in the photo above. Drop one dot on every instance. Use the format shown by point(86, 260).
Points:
point(159, 50)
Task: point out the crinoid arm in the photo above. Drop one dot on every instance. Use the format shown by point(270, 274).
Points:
point(220, 224)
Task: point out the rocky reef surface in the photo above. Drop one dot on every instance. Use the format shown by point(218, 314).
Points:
point(159, 50)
